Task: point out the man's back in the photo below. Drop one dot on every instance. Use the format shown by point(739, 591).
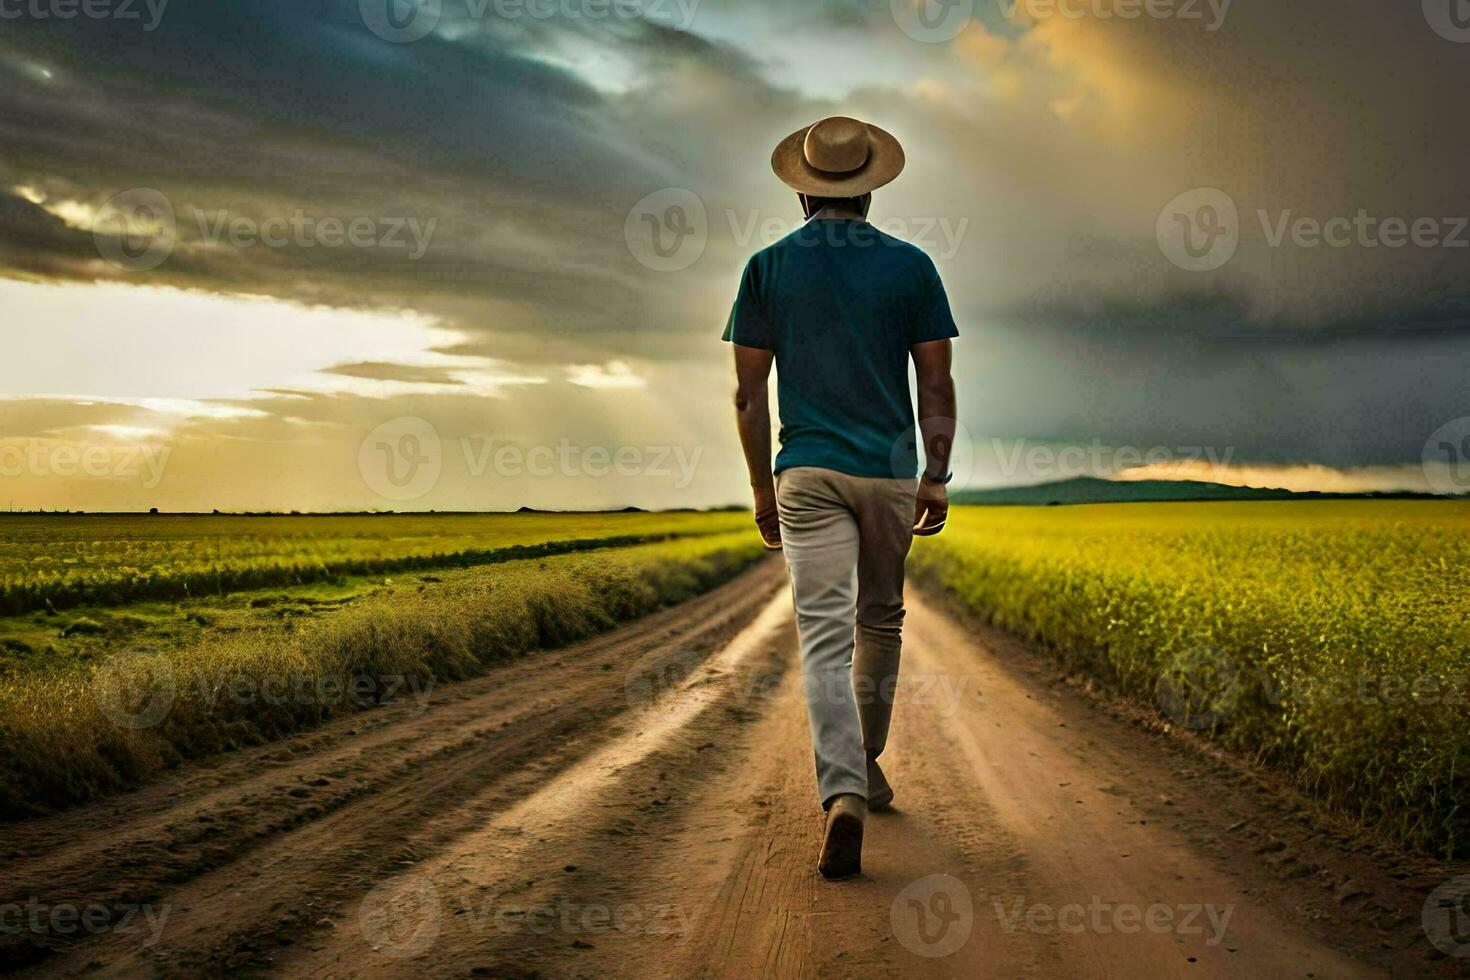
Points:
point(840, 303)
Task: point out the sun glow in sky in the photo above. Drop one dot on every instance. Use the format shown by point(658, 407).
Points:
point(111, 341)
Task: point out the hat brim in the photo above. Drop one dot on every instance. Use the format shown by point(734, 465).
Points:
point(885, 162)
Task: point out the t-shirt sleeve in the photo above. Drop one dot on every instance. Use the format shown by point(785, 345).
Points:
point(748, 325)
point(932, 318)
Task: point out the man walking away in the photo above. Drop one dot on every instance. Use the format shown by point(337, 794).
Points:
point(841, 307)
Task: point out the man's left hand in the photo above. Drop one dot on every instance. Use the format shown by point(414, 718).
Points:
point(931, 508)
point(768, 518)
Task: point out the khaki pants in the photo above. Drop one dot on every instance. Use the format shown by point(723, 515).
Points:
point(845, 539)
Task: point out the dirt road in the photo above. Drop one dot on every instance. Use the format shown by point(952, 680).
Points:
point(643, 805)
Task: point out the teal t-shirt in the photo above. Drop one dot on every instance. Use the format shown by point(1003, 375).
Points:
point(840, 303)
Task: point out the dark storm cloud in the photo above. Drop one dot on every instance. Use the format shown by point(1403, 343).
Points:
point(36, 242)
point(383, 371)
point(1342, 399)
point(279, 111)
point(520, 144)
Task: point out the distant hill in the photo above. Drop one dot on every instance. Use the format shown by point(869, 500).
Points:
point(1092, 490)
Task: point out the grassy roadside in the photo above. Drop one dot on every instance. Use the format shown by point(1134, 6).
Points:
point(60, 561)
point(1330, 639)
point(70, 733)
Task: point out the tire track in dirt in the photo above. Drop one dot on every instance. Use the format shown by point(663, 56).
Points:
point(467, 908)
point(399, 781)
point(1032, 836)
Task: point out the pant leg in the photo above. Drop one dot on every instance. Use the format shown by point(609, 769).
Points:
point(820, 537)
point(885, 513)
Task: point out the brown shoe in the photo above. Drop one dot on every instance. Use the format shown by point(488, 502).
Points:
point(880, 794)
point(842, 845)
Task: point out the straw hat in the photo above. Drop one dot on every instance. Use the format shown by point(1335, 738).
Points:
point(838, 157)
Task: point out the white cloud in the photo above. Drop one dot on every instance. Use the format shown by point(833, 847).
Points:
point(613, 374)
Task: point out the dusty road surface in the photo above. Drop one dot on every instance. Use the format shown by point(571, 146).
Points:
point(643, 805)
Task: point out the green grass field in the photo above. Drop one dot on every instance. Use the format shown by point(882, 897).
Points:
point(58, 561)
point(73, 726)
point(1330, 638)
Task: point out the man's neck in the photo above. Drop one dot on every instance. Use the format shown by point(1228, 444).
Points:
point(832, 214)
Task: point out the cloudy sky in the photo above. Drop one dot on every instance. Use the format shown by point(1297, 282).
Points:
point(323, 254)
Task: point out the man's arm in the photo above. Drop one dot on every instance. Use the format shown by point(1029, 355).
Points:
point(936, 429)
point(753, 418)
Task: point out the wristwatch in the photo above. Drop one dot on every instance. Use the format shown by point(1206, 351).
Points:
point(941, 480)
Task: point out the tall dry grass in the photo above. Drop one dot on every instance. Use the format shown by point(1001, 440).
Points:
point(1326, 638)
point(67, 735)
point(59, 561)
